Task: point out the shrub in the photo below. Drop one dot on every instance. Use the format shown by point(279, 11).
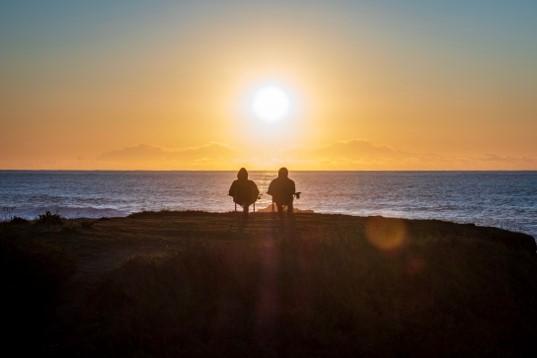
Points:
point(49, 219)
point(18, 220)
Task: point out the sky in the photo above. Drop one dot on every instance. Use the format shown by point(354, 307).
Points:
point(167, 85)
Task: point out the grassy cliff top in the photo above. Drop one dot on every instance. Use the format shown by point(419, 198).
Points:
point(199, 284)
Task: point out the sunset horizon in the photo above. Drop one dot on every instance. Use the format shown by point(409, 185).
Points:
point(268, 178)
point(204, 86)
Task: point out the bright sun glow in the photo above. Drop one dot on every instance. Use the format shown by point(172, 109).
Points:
point(270, 103)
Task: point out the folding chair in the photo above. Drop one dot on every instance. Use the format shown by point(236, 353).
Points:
point(258, 197)
point(296, 195)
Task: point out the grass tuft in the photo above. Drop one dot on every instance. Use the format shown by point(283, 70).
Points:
point(49, 219)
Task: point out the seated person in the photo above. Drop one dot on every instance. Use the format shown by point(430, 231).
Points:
point(244, 191)
point(282, 190)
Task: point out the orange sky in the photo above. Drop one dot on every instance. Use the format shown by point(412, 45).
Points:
point(168, 88)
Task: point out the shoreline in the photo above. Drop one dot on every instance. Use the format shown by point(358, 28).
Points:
point(261, 211)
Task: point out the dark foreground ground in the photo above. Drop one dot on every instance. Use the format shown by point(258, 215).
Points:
point(199, 284)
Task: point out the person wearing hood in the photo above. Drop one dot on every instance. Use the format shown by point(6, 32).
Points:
point(282, 189)
point(244, 191)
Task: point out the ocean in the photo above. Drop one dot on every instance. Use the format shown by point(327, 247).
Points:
point(502, 199)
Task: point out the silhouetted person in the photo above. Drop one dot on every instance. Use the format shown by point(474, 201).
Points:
point(244, 191)
point(282, 190)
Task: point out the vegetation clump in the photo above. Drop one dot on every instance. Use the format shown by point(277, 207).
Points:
point(18, 220)
point(49, 219)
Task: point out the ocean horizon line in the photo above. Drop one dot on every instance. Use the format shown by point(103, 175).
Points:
point(271, 170)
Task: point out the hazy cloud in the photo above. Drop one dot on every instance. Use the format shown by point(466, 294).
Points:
point(342, 155)
point(362, 154)
point(145, 156)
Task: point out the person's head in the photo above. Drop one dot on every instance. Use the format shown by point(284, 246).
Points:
point(242, 174)
point(283, 173)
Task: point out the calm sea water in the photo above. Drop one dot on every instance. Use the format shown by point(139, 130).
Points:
point(502, 199)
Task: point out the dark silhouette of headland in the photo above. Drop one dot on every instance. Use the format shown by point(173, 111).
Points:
point(191, 284)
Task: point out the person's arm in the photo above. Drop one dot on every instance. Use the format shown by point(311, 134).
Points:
point(232, 189)
point(256, 190)
point(293, 187)
point(271, 188)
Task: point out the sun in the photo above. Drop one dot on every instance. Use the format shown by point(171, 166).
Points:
point(271, 103)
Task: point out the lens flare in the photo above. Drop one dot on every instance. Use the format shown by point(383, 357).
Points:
point(386, 234)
